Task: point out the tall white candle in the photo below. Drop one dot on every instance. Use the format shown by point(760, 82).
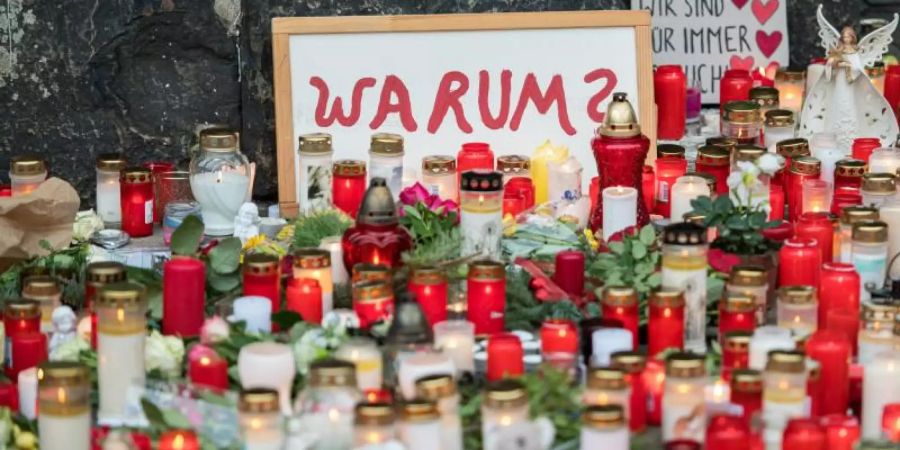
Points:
point(684, 267)
point(456, 339)
point(766, 339)
point(684, 190)
point(881, 385)
point(607, 341)
point(363, 353)
point(481, 212)
point(268, 365)
point(28, 387)
point(220, 195)
point(619, 209)
point(442, 389)
point(121, 331)
point(421, 365)
point(64, 404)
point(255, 311)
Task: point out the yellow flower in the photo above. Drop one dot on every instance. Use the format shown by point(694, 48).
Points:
point(254, 242)
point(591, 239)
point(26, 441)
point(509, 225)
point(286, 233)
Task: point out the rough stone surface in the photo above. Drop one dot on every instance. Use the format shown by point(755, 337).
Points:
point(83, 77)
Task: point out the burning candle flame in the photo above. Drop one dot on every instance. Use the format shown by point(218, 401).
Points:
point(61, 395)
point(120, 314)
point(204, 361)
point(178, 442)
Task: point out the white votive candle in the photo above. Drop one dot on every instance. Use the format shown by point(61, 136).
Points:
point(421, 365)
point(364, 354)
point(121, 331)
point(684, 190)
point(619, 209)
point(268, 365)
point(884, 160)
point(607, 341)
point(260, 419)
point(28, 388)
point(64, 396)
point(420, 425)
point(766, 339)
point(255, 311)
point(603, 427)
point(456, 339)
point(881, 385)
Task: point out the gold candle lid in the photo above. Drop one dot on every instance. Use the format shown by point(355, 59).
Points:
point(870, 231)
point(374, 414)
point(879, 312)
point(332, 373)
point(427, 275)
point(123, 293)
point(806, 165)
point(793, 148)
point(737, 341)
point(258, 400)
point(685, 365)
point(670, 298)
point(669, 151)
point(21, 309)
point(348, 168)
point(261, 264)
point(850, 167)
point(435, 387)
point(606, 378)
point(112, 162)
point(697, 217)
point(506, 393)
point(419, 410)
point(25, 165)
point(713, 156)
point(368, 271)
point(620, 119)
point(438, 164)
point(790, 74)
point(779, 118)
point(513, 164)
point(748, 275)
point(786, 361)
point(68, 373)
point(315, 144)
point(219, 140)
point(853, 214)
point(879, 183)
point(763, 93)
point(372, 291)
point(312, 258)
point(630, 361)
point(737, 302)
point(723, 142)
point(619, 296)
point(684, 233)
point(746, 380)
point(135, 175)
point(105, 272)
point(486, 269)
point(40, 286)
point(797, 295)
point(386, 144)
point(748, 152)
point(742, 112)
point(603, 416)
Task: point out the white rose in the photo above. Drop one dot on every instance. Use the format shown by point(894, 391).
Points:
point(164, 353)
point(69, 350)
point(769, 163)
point(307, 349)
point(86, 223)
point(215, 329)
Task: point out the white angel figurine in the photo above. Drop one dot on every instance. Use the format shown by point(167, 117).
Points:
point(844, 101)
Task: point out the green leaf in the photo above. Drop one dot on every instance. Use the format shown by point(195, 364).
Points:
point(654, 280)
point(286, 319)
point(186, 237)
point(153, 414)
point(175, 419)
point(638, 249)
point(223, 282)
point(703, 203)
point(617, 247)
point(647, 235)
point(722, 204)
point(226, 257)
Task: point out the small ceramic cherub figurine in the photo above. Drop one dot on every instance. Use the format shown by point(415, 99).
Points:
point(64, 322)
point(246, 223)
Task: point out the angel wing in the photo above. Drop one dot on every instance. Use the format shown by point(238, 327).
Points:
point(830, 36)
point(875, 44)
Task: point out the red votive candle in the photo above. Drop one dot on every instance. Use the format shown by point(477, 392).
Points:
point(210, 371)
point(682, 444)
point(621, 304)
point(668, 170)
point(654, 378)
point(803, 434)
point(9, 396)
point(429, 286)
point(633, 363)
point(727, 433)
point(856, 381)
point(665, 325)
point(373, 302)
point(841, 431)
point(832, 350)
point(735, 352)
point(522, 187)
point(799, 262)
point(5, 190)
point(802, 169)
point(892, 86)
point(179, 440)
point(776, 202)
point(817, 226)
point(779, 233)
point(890, 422)
point(670, 90)
point(156, 168)
point(505, 357)
point(747, 392)
point(486, 286)
point(513, 204)
point(843, 197)
point(838, 289)
point(735, 85)
point(848, 174)
point(648, 184)
point(558, 336)
point(184, 295)
point(262, 277)
point(20, 317)
point(304, 297)
point(568, 273)
point(863, 147)
point(25, 350)
point(348, 185)
point(716, 161)
point(846, 322)
point(737, 312)
point(474, 155)
point(136, 199)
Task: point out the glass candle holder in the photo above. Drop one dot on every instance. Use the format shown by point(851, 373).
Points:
point(683, 415)
point(429, 285)
point(327, 401)
point(789, 150)
point(348, 185)
point(136, 186)
point(747, 392)
point(220, 180)
point(716, 162)
point(800, 259)
point(386, 160)
point(441, 389)
point(878, 188)
point(477, 156)
point(314, 154)
point(890, 422)
point(848, 173)
point(564, 182)
point(790, 84)
point(780, 126)
point(784, 393)
point(819, 227)
point(685, 190)
point(158, 168)
point(816, 196)
point(831, 349)
point(365, 355)
point(884, 160)
point(505, 404)
point(179, 440)
point(803, 433)
point(670, 86)
point(670, 151)
point(315, 264)
point(373, 302)
point(260, 419)
point(684, 267)
point(109, 206)
point(606, 386)
point(373, 424)
point(735, 352)
point(742, 121)
point(798, 309)
point(96, 276)
point(559, 344)
point(849, 216)
point(633, 363)
point(748, 279)
point(726, 432)
point(456, 339)
point(869, 255)
point(26, 173)
point(174, 214)
point(486, 287)
point(504, 356)
point(876, 331)
point(172, 187)
point(370, 272)
point(521, 187)
point(879, 389)
point(737, 312)
point(802, 169)
point(604, 427)
point(512, 166)
point(765, 339)
point(419, 423)
point(121, 330)
point(64, 402)
point(668, 170)
point(46, 291)
point(621, 303)
point(735, 85)
point(481, 217)
point(541, 159)
point(262, 277)
point(439, 176)
point(766, 97)
point(665, 323)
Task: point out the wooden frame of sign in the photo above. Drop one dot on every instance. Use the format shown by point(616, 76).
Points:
point(284, 27)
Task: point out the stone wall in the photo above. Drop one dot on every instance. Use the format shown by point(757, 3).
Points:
point(83, 77)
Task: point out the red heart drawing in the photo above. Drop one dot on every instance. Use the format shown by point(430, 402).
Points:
point(764, 12)
point(741, 63)
point(739, 3)
point(768, 42)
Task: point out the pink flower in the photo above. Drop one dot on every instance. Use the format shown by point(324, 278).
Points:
point(215, 329)
point(722, 261)
point(414, 194)
point(199, 351)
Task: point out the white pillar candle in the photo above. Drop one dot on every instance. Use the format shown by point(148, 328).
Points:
point(339, 273)
point(619, 209)
point(442, 389)
point(607, 341)
point(64, 406)
point(268, 365)
point(421, 365)
point(881, 385)
point(314, 180)
point(386, 160)
point(766, 339)
point(28, 387)
point(564, 182)
point(884, 160)
point(684, 190)
point(121, 331)
point(108, 204)
point(363, 353)
point(255, 311)
point(220, 195)
point(890, 214)
point(824, 147)
point(456, 339)
point(481, 212)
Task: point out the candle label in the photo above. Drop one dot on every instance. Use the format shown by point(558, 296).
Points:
point(663, 191)
point(319, 185)
point(518, 436)
point(684, 421)
point(871, 268)
point(693, 283)
point(148, 211)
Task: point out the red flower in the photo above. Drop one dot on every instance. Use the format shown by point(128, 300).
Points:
point(620, 235)
point(722, 261)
